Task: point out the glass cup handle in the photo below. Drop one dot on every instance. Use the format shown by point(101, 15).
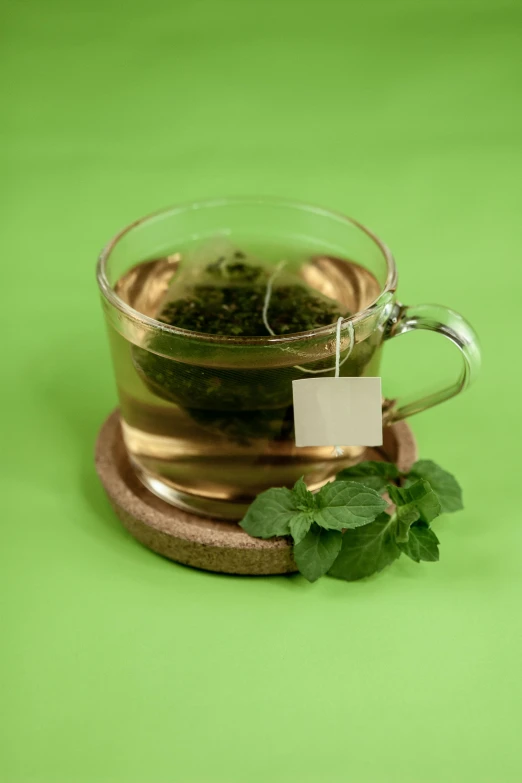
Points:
point(433, 318)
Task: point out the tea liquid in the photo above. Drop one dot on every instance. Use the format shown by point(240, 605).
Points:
point(210, 439)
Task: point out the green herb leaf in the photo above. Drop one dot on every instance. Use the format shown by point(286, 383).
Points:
point(426, 500)
point(422, 544)
point(270, 514)
point(316, 553)
point(366, 550)
point(372, 539)
point(445, 486)
point(300, 525)
point(346, 504)
point(419, 496)
point(406, 516)
point(375, 475)
point(396, 495)
point(304, 498)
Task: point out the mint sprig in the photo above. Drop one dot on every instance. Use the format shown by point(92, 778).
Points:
point(337, 506)
point(378, 475)
point(347, 529)
point(404, 530)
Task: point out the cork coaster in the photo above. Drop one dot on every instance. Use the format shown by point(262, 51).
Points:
point(201, 542)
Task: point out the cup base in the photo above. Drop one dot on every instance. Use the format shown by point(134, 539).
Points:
point(193, 504)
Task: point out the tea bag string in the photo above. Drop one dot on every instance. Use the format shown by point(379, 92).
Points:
point(349, 326)
point(337, 450)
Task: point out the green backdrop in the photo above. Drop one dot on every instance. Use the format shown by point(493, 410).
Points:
point(118, 666)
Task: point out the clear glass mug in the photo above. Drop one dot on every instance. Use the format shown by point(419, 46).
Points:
point(207, 420)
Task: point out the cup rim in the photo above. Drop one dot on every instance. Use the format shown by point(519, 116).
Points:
point(112, 297)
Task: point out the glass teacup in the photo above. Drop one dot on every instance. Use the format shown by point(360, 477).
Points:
point(207, 419)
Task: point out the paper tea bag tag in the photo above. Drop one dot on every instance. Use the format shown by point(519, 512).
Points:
point(338, 412)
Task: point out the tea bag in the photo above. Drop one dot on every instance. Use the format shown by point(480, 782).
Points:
point(219, 289)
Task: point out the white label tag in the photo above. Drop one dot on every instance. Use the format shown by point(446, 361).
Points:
point(338, 412)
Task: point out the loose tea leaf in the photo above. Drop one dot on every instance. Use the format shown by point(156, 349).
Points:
point(244, 426)
point(229, 302)
point(233, 305)
point(237, 311)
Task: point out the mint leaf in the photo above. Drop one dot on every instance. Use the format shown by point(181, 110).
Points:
point(270, 514)
point(315, 554)
point(303, 497)
point(366, 550)
point(396, 495)
point(445, 486)
point(300, 525)
point(372, 474)
point(346, 504)
point(406, 516)
point(422, 544)
point(426, 500)
point(418, 495)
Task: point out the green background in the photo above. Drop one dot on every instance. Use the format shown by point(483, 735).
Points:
point(118, 666)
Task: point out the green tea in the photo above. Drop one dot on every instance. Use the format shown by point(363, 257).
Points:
point(210, 437)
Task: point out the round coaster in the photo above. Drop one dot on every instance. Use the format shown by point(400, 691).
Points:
point(201, 542)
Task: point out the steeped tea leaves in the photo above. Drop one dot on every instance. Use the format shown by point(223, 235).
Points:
point(226, 297)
